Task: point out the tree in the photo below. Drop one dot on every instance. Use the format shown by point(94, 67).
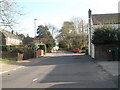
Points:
point(62, 44)
point(80, 27)
point(45, 36)
point(79, 23)
point(53, 30)
point(70, 37)
point(66, 29)
point(22, 36)
point(65, 34)
point(9, 13)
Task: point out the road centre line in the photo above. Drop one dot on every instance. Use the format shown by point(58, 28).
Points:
point(35, 79)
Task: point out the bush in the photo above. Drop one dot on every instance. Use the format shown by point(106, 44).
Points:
point(6, 48)
point(20, 50)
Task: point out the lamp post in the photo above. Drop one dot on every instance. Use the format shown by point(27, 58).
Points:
point(35, 35)
point(35, 26)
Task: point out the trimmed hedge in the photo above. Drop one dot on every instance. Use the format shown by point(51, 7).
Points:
point(105, 35)
point(13, 48)
point(16, 48)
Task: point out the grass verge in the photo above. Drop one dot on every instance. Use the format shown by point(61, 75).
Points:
point(7, 60)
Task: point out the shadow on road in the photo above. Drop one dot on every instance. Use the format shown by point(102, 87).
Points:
point(76, 72)
point(78, 75)
point(53, 60)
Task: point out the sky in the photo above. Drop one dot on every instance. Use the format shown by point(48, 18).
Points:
point(55, 12)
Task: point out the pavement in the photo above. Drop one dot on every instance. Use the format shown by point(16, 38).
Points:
point(11, 66)
point(111, 67)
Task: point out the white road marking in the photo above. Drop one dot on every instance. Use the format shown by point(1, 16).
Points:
point(11, 70)
point(35, 79)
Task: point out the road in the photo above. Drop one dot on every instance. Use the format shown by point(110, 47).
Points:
point(61, 70)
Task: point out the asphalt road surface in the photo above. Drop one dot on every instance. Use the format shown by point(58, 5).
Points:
point(60, 70)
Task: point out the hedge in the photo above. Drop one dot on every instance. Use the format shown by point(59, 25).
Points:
point(106, 35)
point(16, 48)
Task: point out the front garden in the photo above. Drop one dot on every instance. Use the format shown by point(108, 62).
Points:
point(17, 52)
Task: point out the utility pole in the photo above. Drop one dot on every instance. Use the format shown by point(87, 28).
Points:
point(89, 32)
point(82, 34)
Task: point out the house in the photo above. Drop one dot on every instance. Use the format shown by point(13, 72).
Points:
point(55, 48)
point(28, 40)
point(95, 20)
point(10, 38)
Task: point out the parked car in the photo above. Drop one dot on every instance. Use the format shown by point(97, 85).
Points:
point(76, 50)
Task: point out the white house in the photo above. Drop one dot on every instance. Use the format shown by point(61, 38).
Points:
point(96, 20)
point(54, 49)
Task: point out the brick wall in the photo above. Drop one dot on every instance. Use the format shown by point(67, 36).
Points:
point(12, 56)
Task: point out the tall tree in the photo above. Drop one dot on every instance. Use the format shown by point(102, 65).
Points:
point(80, 28)
point(53, 30)
point(78, 24)
point(69, 35)
point(45, 36)
point(67, 28)
point(66, 34)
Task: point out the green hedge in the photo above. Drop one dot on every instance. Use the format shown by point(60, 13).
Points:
point(105, 35)
point(16, 48)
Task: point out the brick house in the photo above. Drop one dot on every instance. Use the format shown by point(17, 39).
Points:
point(9, 38)
point(28, 40)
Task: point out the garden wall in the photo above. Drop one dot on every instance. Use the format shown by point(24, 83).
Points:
point(12, 56)
point(11, 52)
point(107, 52)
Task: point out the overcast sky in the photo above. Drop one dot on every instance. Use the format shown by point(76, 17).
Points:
point(57, 11)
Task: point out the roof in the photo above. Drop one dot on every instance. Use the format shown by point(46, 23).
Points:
point(106, 18)
point(9, 34)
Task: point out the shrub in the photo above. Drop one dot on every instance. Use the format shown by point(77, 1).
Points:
point(6, 48)
point(20, 50)
point(15, 48)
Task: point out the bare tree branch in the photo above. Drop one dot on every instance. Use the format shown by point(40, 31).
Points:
point(9, 13)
